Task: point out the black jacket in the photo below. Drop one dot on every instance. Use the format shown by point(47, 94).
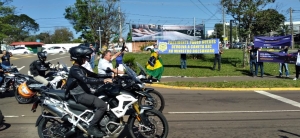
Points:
point(82, 77)
point(39, 68)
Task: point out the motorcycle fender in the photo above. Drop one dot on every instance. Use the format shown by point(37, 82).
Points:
point(38, 120)
point(145, 107)
point(148, 89)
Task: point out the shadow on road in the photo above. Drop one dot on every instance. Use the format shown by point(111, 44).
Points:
point(283, 131)
point(4, 126)
point(7, 94)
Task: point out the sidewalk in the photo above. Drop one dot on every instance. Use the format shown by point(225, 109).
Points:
point(220, 79)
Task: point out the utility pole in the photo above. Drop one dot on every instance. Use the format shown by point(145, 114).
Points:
point(292, 28)
point(224, 24)
point(120, 35)
point(195, 28)
point(100, 38)
point(230, 35)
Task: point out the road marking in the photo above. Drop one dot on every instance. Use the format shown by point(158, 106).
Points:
point(231, 112)
point(285, 100)
point(58, 58)
point(21, 68)
point(10, 116)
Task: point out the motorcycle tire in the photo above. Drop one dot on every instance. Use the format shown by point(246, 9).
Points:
point(152, 112)
point(1, 119)
point(157, 96)
point(22, 100)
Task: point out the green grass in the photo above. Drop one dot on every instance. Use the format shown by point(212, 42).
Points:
point(232, 60)
point(285, 83)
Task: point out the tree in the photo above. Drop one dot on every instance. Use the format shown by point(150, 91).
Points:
point(87, 16)
point(267, 21)
point(45, 37)
point(5, 10)
point(244, 11)
point(62, 35)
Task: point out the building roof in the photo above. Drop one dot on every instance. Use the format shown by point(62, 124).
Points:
point(26, 43)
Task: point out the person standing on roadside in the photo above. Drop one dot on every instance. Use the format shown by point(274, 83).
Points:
point(92, 60)
point(297, 66)
point(183, 61)
point(218, 59)
point(283, 65)
point(253, 54)
point(261, 66)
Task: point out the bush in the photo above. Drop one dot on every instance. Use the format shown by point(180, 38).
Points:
point(130, 61)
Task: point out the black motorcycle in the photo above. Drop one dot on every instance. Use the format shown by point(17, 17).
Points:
point(8, 79)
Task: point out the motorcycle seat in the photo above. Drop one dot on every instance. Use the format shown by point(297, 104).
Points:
point(58, 93)
point(77, 106)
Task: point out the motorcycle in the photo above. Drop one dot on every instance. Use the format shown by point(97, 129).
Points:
point(8, 79)
point(57, 77)
point(68, 118)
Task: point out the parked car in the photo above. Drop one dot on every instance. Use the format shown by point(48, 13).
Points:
point(20, 50)
point(55, 49)
point(148, 48)
point(117, 48)
point(239, 45)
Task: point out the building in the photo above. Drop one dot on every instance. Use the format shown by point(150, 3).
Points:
point(33, 46)
point(296, 26)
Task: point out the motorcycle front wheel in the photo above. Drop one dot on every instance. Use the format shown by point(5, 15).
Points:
point(22, 100)
point(158, 127)
point(159, 101)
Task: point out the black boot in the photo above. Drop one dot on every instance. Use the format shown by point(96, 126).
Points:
point(93, 130)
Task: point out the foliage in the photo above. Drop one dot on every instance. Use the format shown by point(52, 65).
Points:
point(76, 41)
point(267, 21)
point(5, 10)
point(87, 16)
point(45, 37)
point(62, 35)
point(129, 60)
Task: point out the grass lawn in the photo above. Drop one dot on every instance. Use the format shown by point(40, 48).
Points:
point(285, 83)
point(232, 61)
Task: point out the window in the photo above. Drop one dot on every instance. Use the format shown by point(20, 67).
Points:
point(56, 47)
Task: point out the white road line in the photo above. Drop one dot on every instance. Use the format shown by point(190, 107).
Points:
point(20, 68)
point(10, 116)
point(58, 58)
point(285, 100)
point(231, 112)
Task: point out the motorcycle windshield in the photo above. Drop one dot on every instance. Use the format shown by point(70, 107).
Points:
point(131, 74)
point(65, 67)
point(141, 67)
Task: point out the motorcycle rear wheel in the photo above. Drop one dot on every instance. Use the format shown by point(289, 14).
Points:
point(159, 101)
point(137, 131)
point(22, 100)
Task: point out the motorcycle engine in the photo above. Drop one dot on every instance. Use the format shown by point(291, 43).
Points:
point(110, 121)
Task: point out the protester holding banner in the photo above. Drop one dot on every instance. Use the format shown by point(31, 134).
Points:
point(297, 66)
point(253, 55)
point(285, 65)
point(261, 66)
point(218, 58)
point(154, 66)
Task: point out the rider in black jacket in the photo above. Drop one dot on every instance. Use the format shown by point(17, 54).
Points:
point(80, 90)
point(39, 67)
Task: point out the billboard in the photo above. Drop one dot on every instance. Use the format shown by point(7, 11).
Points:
point(188, 46)
point(148, 32)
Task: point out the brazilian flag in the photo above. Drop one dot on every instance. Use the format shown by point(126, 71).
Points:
point(157, 69)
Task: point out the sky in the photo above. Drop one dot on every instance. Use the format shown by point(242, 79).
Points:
point(50, 13)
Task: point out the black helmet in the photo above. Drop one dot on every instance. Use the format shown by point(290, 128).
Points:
point(78, 53)
point(42, 56)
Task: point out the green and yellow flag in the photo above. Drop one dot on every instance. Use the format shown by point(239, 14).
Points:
point(157, 70)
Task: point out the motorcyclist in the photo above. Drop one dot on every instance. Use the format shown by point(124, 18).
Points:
point(39, 67)
point(80, 90)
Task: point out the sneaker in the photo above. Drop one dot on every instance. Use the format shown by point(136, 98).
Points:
point(295, 79)
point(92, 130)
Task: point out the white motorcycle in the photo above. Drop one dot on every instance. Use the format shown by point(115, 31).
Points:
point(63, 117)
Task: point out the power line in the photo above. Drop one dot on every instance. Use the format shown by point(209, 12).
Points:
point(206, 8)
point(198, 6)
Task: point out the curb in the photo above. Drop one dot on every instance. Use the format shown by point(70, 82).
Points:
point(222, 89)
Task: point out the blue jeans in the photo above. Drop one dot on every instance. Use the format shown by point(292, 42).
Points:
point(92, 62)
point(261, 66)
point(253, 67)
point(1, 79)
point(5, 67)
point(285, 65)
point(183, 64)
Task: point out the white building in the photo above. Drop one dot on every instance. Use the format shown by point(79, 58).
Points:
point(296, 26)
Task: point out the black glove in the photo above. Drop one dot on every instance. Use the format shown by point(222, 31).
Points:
point(123, 47)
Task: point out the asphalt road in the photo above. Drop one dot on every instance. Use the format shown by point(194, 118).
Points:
point(191, 114)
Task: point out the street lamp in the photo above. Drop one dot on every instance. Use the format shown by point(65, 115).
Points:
point(99, 37)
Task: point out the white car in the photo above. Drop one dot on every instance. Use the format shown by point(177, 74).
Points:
point(55, 49)
point(148, 48)
point(117, 48)
point(20, 50)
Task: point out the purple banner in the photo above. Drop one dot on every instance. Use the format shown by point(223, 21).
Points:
point(266, 56)
point(272, 41)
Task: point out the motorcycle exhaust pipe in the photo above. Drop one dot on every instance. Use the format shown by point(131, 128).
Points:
point(59, 112)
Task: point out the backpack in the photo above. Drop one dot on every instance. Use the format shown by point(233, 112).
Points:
point(152, 61)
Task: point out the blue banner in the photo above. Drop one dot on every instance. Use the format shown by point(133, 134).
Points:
point(273, 41)
point(188, 47)
point(266, 56)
